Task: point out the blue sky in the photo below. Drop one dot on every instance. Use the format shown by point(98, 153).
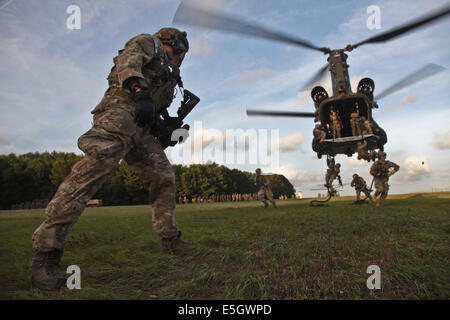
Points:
point(51, 77)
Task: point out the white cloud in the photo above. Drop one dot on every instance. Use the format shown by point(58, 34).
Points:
point(442, 140)
point(6, 147)
point(298, 176)
point(290, 143)
point(414, 168)
point(354, 162)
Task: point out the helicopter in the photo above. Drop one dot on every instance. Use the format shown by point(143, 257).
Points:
point(345, 119)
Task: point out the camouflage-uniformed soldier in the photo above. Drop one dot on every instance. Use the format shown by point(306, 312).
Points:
point(332, 173)
point(336, 124)
point(319, 133)
point(381, 172)
point(264, 191)
point(365, 126)
point(363, 153)
point(360, 186)
point(141, 88)
point(361, 149)
point(354, 123)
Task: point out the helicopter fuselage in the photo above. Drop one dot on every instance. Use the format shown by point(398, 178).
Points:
point(336, 113)
point(338, 68)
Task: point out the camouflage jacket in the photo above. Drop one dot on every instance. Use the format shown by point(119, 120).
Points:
point(358, 183)
point(262, 181)
point(145, 57)
point(381, 170)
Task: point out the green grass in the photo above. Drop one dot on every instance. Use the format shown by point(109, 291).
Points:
point(246, 252)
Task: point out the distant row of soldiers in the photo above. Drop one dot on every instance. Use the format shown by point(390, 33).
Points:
point(321, 195)
point(264, 194)
point(35, 204)
point(220, 198)
point(226, 198)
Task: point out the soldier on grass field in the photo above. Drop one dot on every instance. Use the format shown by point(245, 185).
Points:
point(141, 87)
point(264, 191)
point(381, 170)
point(360, 186)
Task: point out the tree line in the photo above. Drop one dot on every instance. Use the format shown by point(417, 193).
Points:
point(36, 176)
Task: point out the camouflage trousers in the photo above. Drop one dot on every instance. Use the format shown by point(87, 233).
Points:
point(264, 193)
point(114, 136)
point(330, 177)
point(365, 191)
point(381, 188)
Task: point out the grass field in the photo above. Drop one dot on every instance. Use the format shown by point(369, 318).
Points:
point(247, 252)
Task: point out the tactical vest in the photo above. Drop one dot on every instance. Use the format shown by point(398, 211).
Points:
point(261, 181)
point(359, 183)
point(158, 75)
point(380, 169)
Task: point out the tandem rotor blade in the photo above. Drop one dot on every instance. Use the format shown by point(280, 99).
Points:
point(424, 72)
point(316, 77)
point(402, 29)
point(280, 113)
point(200, 17)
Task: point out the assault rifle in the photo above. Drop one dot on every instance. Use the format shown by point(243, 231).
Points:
point(166, 127)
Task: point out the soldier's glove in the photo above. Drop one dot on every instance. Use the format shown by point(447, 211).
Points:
point(145, 108)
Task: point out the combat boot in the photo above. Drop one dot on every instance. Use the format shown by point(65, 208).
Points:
point(171, 244)
point(44, 270)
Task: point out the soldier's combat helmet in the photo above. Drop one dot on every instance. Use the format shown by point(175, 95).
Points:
point(258, 171)
point(175, 38)
point(381, 154)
